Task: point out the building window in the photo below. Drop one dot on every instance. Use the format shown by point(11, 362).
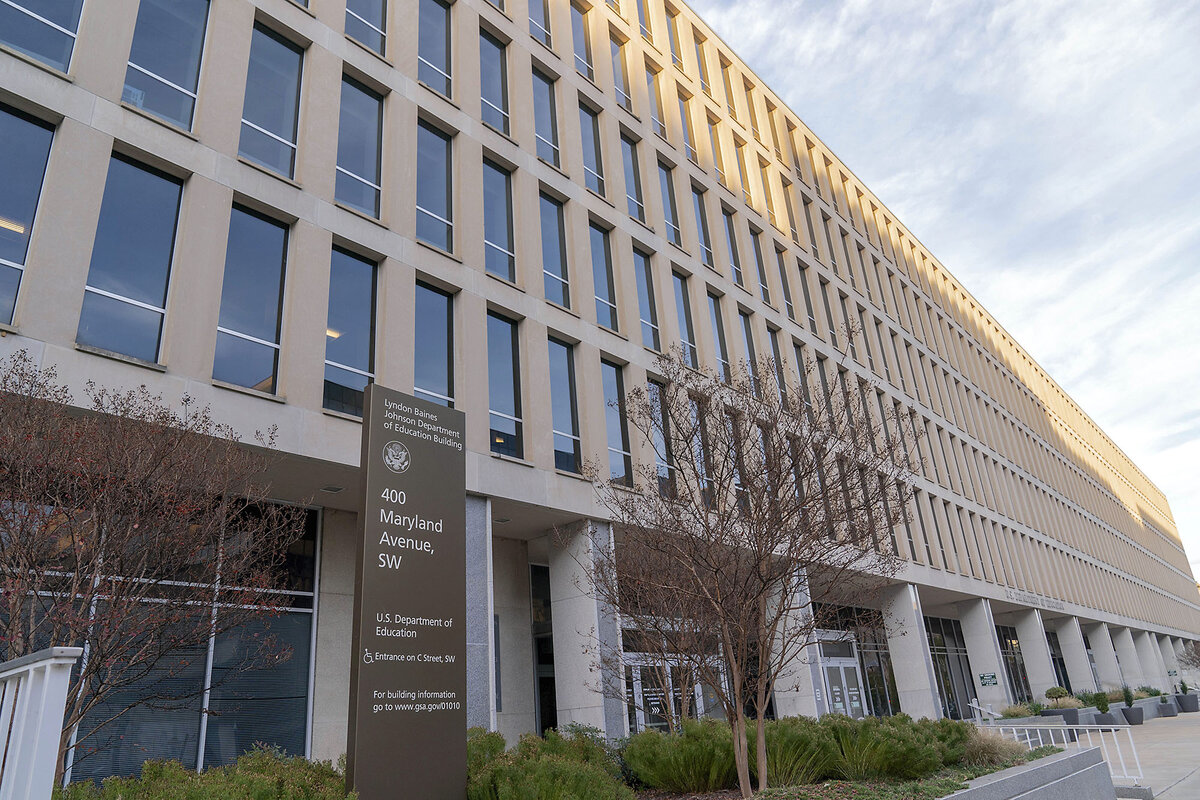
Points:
point(764, 174)
point(40, 29)
point(1014, 664)
point(719, 346)
point(701, 63)
point(582, 42)
point(829, 319)
point(243, 706)
point(748, 348)
point(714, 141)
point(673, 37)
point(349, 332)
point(647, 308)
point(22, 170)
point(620, 462)
point(781, 259)
point(685, 127)
point(740, 149)
point(633, 179)
point(545, 118)
point(791, 211)
point(366, 22)
point(602, 278)
point(433, 46)
point(433, 345)
point(756, 244)
point(556, 279)
point(434, 188)
point(727, 79)
point(539, 20)
point(251, 301)
point(808, 305)
point(164, 61)
point(360, 134)
point(504, 386)
point(670, 209)
point(272, 108)
point(655, 98)
point(493, 81)
point(644, 17)
point(706, 251)
point(499, 258)
point(777, 357)
point(593, 160)
point(564, 411)
point(126, 295)
point(620, 74)
point(683, 309)
point(735, 260)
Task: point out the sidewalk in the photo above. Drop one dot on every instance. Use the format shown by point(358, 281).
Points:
point(1169, 750)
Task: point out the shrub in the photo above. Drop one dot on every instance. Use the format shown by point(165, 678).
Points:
point(1070, 702)
point(698, 759)
point(483, 747)
point(262, 774)
point(582, 744)
point(799, 750)
point(988, 749)
point(1127, 696)
point(513, 776)
point(1148, 691)
point(1056, 693)
point(882, 747)
point(1035, 707)
point(951, 736)
point(1162, 698)
point(1100, 701)
point(1015, 711)
point(1183, 687)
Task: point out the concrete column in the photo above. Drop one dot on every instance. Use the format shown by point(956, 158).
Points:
point(983, 649)
point(1031, 633)
point(908, 645)
point(798, 687)
point(1079, 668)
point(583, 629)
point(1150, 660)
point(481, 662)
point(1166, 649)
point(1107, 667)
point(1127, 656)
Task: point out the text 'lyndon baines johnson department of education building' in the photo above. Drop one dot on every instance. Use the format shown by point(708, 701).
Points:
point(512, 208)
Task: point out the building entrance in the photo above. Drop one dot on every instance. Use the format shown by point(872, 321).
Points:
point(843, 679)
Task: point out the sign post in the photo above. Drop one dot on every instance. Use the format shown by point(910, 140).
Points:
point(408, 673)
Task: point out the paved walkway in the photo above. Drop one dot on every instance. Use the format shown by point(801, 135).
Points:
point(1169, 750)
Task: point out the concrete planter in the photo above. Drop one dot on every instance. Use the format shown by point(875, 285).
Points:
point(1070, 715)
point(1107, 719)
point(1167, 710)
point(1189, 702)
point(1134, 716)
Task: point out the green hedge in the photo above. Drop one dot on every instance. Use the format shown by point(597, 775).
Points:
point(698, 759)
point(577, 766)
point(262, 774)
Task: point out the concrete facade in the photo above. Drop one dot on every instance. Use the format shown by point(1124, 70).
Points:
point(1049, 524)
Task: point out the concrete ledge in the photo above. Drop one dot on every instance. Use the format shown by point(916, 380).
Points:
point(1063, 776)
point(1136, 792)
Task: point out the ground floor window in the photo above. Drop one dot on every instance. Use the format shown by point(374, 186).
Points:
point(1014, 664)
point(878, 676)
point(1060, 663)
point(651, 684)
point(200, 706)
point(951, 667)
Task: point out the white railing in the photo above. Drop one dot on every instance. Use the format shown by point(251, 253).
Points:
point(1115, 743)
point(983, 714)
point(33, 697)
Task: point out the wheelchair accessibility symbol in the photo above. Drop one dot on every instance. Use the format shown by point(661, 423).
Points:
point(368, 657)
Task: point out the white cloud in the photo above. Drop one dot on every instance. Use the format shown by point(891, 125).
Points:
point(1048, 152)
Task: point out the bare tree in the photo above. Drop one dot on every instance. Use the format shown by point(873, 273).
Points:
point(1190, 657)
point(133, 530)
point(761, 504)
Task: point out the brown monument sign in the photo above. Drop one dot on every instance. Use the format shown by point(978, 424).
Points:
point(408, 674)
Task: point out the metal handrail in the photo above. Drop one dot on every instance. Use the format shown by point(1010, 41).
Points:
point(1106, 737)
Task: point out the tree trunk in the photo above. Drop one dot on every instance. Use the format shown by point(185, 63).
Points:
point(760, 741)
point(741, 756)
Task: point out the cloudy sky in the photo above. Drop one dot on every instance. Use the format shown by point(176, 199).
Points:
point(1048, 153)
